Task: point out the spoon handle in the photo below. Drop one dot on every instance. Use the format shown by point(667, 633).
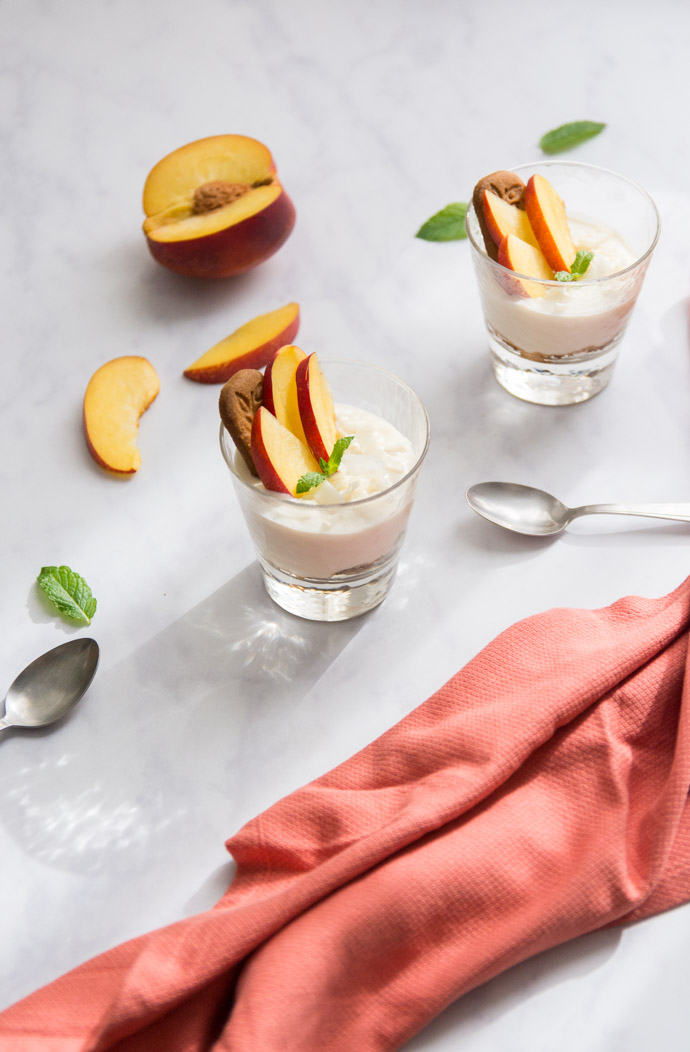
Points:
point(4, 724)
point(679, 512)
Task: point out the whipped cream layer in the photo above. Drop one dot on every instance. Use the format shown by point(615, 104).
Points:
point(328, 530)
point(377, 458)
point(573, 317)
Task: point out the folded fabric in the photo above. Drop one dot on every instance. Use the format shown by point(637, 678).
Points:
point(540, 794)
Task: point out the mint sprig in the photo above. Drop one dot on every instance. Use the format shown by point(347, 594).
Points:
point(68, 592)
point(446, 225)
point(578, 269)
point(566, 136)
point(581, 263)
point(312, 479)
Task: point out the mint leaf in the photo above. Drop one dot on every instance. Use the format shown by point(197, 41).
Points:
point(568, 135)
point(337, 455)
point(328, 467)
point(446, 225)
point(68, 592)
point(581, 263)
point(311, 480)
point(578, 269)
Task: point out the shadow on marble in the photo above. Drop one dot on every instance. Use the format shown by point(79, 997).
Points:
point(625, 537)
point(483, 535)
point(486, 536)
point(161, 293)
point(493, 436)
point(153, 765)
point(466, 1017)
point(41, 611)
point(676, 320)
point(212, 889)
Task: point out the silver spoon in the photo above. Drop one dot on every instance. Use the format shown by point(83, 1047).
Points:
point(51, 685)
point(535, 512)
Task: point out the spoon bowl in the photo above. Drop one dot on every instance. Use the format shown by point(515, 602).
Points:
point(524, 509)
point(50, 686)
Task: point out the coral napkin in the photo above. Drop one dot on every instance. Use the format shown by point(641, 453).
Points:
point(541, 793)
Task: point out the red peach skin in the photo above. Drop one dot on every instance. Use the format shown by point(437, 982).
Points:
point(251, 346)
point(316, 408)
point(547, 216)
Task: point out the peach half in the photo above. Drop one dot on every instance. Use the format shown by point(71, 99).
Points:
point(547, 216)
point(250, 347)
point(279, 456)
point(517, 255)
point(215, 207)
point(116, 396)
point(316, 408)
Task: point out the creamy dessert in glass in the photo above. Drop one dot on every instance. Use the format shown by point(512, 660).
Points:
point(554, 334)
point(329, 552)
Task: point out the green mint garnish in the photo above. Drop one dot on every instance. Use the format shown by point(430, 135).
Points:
point(446, 225)
point(312, 479)
point(581, 263)
point(569, 135)
point(68, 592)
point(578, 269)
point(333, 463)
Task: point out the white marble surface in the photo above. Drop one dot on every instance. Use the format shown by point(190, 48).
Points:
point(210, 703)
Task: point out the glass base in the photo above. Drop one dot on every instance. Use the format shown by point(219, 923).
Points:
point(557, 382)
point(336, 599)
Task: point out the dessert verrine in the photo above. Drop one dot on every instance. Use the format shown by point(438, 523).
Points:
point(554, 338)
point(326, 487)
point(335, 530)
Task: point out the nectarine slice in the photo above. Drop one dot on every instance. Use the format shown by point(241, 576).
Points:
point(280, 390)
point(250, 347)
point(116, 396)
point(503, 219)
point(280, 458)
point(548, 219)
point(216, 207)
point(316, 408)
point(525, 259)
point(506, 185)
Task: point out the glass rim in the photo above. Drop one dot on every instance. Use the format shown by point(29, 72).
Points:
point(228, 450)
point(551, 282)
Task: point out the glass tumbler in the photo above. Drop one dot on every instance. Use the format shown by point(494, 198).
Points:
point(330, 562)
point(560, 347)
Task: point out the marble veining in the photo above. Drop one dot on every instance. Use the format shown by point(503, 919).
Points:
point(210, 702)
